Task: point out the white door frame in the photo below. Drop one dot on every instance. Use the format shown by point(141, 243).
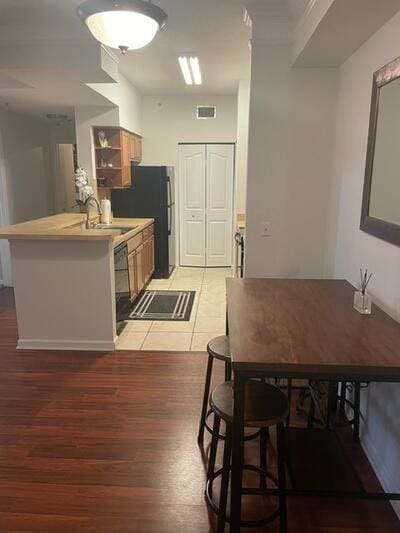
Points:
point(178, 192)
point(5, 257)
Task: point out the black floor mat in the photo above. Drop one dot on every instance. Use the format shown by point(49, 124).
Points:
point(163, 305)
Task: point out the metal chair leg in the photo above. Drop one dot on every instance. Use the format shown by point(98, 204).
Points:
point(289, 395)
point(342, 401)
point(228, 371)
point(225, 479)
point(281, 478)
point(200, 436)
point(264, 437)
point(357, 405)
point(311, 415)
point(332, 403)
point(213, 449)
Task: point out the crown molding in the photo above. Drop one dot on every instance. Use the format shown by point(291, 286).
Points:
point(271, 21)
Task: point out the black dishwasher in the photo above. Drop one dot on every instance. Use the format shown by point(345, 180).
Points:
point(122, 292)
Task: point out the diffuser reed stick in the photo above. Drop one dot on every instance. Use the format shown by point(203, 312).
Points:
point(362, 300)
point(365, 279)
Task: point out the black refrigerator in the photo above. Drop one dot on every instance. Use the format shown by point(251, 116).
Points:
point(152, 195)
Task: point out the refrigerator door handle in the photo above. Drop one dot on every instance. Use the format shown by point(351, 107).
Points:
point(169, 215)
point(169, 199)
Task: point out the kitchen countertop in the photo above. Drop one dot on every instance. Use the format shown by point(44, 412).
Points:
point(71, 226)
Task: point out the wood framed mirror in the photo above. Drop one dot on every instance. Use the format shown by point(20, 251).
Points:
point(380, 214)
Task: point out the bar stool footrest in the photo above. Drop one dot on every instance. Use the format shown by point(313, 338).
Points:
point(243, 523)
point(252, 436)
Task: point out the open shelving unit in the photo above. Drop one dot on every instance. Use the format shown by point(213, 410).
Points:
point(113, 162)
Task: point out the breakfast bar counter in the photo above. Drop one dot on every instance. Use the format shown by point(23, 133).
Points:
point(64, 280)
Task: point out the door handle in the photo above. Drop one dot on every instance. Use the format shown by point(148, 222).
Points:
point(169, 199)
point(169, 229)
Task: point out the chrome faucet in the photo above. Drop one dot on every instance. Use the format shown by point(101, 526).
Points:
point(87, 204)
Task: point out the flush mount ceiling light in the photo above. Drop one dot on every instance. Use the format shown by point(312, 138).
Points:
point(190, 67)
point(123, 24)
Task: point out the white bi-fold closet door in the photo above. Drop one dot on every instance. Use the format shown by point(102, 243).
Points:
point(206, 198)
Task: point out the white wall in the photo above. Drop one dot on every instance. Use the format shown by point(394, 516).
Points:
point(349, 248)
point(124, 110)
point(290, 137)
point(85, 119)
point(62, 134)
point(25, 170)
point(169, 120)
point(130, 106)
point(127, 100)
point(243, 104)
point(24, 149)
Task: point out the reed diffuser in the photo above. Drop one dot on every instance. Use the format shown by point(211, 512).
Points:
point(362, 300)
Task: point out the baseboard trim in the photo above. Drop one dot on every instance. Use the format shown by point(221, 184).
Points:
point(388, 482)
point(66, 345)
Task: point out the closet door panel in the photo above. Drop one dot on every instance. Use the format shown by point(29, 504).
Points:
point(219, 205)
point(192, 178)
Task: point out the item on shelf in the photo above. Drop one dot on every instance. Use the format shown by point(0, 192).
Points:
point(110, 165)
point(103, 139)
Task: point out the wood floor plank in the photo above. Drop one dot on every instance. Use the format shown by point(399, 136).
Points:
point(107, 443)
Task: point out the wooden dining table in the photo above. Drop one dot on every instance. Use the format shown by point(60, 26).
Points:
point(307, 329)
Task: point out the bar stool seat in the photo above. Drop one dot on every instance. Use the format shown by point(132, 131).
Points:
point(218, 348)
point(265, 405)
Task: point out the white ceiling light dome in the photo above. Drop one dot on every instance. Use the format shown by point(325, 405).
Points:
point(123, 24)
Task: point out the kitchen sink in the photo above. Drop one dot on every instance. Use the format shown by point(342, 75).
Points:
point(112, 227)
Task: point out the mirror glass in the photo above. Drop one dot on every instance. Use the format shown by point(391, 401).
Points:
point(385, 180)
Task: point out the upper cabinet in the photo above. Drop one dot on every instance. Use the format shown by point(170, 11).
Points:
point(115, 149)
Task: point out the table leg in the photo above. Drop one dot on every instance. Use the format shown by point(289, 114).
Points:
point(357, 401)
point(237, 451)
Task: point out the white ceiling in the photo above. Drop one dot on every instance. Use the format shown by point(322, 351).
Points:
point(37, 74)
point(212, 29)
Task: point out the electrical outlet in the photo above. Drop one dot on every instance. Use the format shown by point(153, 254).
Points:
point(265, 229)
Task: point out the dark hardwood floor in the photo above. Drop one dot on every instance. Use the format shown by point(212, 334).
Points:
point(94, 442)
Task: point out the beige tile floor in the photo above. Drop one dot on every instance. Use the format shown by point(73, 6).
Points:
point(207, 319)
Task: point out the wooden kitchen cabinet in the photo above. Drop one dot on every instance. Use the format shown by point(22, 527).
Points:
point(140, 260)
point(114, 162)
point(151, 255)
point(126, 159)
point(138, 149)
point(148, 258)
point(135, 148)
point(133, 286)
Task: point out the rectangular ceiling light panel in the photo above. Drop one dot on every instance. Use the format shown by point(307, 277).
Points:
point(190, 67)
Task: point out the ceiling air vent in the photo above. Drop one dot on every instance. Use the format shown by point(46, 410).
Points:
point(206, 111)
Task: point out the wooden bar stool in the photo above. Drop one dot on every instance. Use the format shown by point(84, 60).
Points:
point(217, 348)
point(265, 406)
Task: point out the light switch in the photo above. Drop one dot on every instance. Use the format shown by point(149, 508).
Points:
point(265, 229)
